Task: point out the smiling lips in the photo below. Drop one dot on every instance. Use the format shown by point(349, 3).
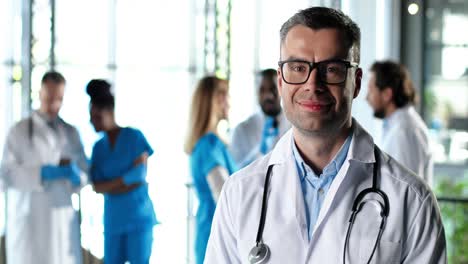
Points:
point(314, 106)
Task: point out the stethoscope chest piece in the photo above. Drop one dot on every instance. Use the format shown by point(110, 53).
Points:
point(259, 254)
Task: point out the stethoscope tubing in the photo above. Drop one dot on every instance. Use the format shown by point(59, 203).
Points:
point(355, 209)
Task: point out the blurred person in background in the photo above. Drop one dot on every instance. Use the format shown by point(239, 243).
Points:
point(43, 165)
point(257, 135)
point(405, 136)
point(210, 160)
point(118, 170)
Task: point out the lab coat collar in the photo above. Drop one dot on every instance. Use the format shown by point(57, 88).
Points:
point(400, 113)
point(362, 145)
point(43, 119)
point(361, 149)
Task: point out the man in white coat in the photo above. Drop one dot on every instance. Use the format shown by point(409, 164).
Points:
point(405, 136)
point(257, 135)
point(302, 212)
point(43, 165)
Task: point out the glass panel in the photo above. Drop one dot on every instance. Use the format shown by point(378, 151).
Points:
point(447, 79)
point(41, 32)
point(82, 32)
point(446, 97)
point(147, 34)
point(10, 76)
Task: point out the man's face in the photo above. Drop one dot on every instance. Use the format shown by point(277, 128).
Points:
point(268, 97)
point(51, 98)
point(313, 107)
point(375, 98)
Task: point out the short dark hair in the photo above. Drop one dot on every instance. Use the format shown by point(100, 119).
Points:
point(268, 73)
point(323, 17)
point(53, 76)
point(396, 76)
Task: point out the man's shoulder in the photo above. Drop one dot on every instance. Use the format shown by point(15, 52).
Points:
point(249, 177)
point(20, 125)
point(409, 119)
point(402, 177)
point(252, 120)
point(69, 127)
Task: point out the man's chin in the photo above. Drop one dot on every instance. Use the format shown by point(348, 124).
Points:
point(271, 111)
point(379, 114)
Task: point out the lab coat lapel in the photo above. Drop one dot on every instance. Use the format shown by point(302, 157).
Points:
point(361, 151)
point(49, 147)
point(290, 192)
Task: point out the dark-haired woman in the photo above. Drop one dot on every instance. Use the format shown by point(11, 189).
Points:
point(118, 171)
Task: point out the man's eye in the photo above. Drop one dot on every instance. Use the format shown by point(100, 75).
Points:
point(297, 67)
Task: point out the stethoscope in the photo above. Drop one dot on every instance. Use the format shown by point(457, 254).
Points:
point(260, 253)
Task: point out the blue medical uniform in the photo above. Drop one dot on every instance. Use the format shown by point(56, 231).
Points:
point(128, 217)
point(208, 153)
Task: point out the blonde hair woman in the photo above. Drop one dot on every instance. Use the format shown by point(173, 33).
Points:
point(210, 161)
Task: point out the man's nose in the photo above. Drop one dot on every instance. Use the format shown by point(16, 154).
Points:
point(314, 83)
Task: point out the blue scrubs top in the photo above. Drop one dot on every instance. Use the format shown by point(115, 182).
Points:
point(130, 211)
point(208, 153)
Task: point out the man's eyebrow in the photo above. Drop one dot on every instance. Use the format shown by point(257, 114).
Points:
point(294, 58)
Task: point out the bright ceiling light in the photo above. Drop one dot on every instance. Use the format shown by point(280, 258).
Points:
point(413, 9)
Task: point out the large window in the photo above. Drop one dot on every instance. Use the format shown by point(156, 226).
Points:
point(446, 72)
point(446, 112)
point(10, 77)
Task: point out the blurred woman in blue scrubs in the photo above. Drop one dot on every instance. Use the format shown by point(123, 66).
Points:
point(118, 171)
point(210, 161)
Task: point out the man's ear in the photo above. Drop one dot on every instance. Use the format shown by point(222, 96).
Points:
point(387, 94)
point(357, 82)
point(279, 81)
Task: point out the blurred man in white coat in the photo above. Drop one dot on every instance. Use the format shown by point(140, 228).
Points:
point(404, 134)
point(257, 135)
point(43, 165)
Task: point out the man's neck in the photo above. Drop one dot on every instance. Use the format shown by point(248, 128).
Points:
point(45, 115)
point(389, 110)
point(319, 150)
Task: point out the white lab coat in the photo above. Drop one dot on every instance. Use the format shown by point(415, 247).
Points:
point(413, 232)
point(42, 226)
point(247, 136)
point(405, 137)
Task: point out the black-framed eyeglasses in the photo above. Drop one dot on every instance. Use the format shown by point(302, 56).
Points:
point(328, 71)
